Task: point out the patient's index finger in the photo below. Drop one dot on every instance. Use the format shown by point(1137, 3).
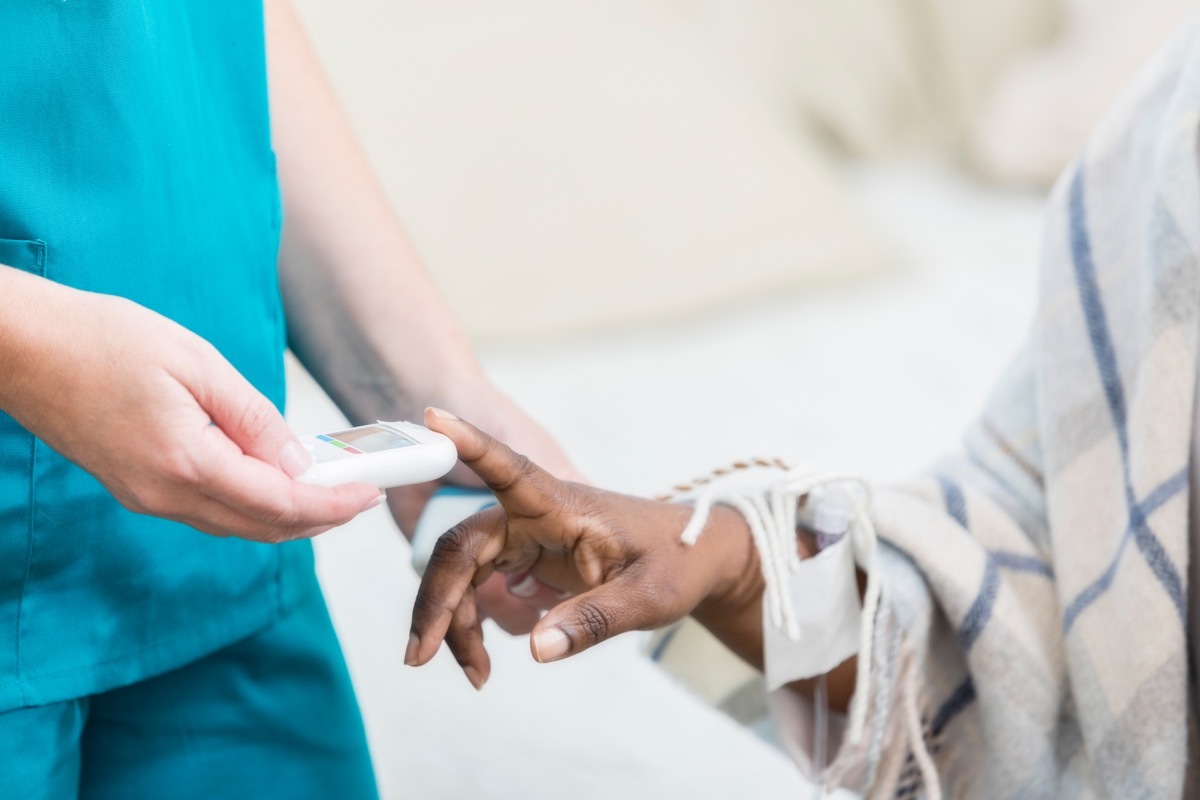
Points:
point(522, 486)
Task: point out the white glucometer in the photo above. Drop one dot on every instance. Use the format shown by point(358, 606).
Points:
point(385, 454)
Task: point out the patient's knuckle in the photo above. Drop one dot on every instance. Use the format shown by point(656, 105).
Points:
point(519, 469)
point(525, 467)
point(453, 546)
point(430, 605)
point(594, 622)
point(425, 605)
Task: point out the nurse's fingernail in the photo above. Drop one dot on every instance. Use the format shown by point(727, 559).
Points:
point(377, 500)
point(523, 586)
point(476, 677)
point(294, 459)
point(410, 653)
point(437, 412)
point(549, 644)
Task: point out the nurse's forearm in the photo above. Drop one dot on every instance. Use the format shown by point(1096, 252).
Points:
point(18, 318)
point(363, 315)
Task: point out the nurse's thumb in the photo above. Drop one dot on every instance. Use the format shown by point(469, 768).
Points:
point(252, 422)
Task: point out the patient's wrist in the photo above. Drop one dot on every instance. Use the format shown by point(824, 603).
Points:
point(732, 609)
point(737, 579)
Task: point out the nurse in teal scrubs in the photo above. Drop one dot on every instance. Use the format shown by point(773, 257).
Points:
point(161, 630)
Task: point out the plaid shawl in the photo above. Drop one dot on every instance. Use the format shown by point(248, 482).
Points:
point(1033, 637)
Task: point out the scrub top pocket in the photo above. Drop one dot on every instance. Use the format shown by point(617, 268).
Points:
point(28, 255)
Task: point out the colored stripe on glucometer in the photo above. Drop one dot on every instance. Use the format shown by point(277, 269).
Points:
point(340, 444)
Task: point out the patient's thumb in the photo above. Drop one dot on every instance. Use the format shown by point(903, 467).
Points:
point(582, 621)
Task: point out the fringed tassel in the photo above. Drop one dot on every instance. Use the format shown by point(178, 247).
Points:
point(770, 514)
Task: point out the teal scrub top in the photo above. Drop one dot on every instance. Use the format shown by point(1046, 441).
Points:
point(135, 160)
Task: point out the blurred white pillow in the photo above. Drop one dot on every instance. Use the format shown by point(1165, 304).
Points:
point(566, 164)
point(1047, 103)
point(878, 77)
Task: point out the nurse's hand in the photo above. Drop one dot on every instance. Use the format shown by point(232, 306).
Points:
point(157, 415)
point(621, 554)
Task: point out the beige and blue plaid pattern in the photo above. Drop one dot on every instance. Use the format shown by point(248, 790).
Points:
point(1035, 588)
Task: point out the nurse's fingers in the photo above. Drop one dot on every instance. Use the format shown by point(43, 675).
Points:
point(217, 519)
point(460, 560)
point(465, 640)
point(521, 486)
point(285, 509)
point(246, 416)
point(280, 508)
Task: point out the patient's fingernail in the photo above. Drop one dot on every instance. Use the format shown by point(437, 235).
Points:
point(410, 654)
point(549, 644)
point(475, 677)
point(437, 412)
point(294, 459)
point(377, 500)
point(526, 586)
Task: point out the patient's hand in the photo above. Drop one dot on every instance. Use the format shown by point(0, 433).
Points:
point(620, 555)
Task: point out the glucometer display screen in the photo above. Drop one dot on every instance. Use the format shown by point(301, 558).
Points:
point(372, 438)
